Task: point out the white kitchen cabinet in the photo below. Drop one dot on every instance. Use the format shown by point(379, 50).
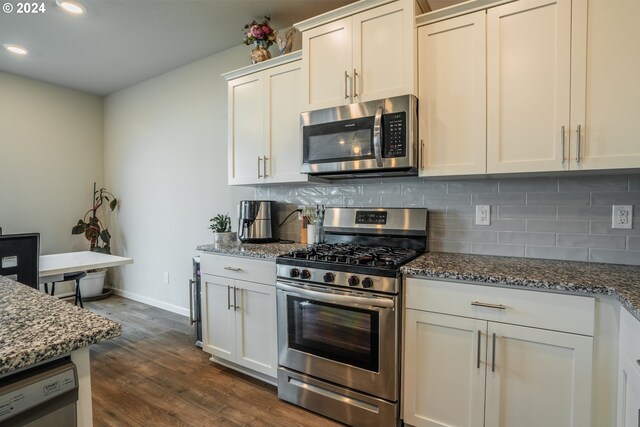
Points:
point(239, 316)
point(528, 86)
point(361, 57)
point(629, 371)
point(452, 94)
point(473, 356)
point(604, 84)
point(264, 105)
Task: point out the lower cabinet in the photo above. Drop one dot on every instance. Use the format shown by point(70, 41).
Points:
point(629, 371)
point(239, 323)
point(474, 368)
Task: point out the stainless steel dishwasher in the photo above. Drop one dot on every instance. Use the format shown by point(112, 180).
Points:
point(44, 395)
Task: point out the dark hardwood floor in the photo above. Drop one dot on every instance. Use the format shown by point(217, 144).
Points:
point(154, 375)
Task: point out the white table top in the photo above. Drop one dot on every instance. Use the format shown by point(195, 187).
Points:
point(57, 264)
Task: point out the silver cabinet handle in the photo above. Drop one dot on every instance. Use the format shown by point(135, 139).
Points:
point(235, 302)
point(355, 83)
point(638, 362)
point(264, 166)
point(233, 268)
point(191, 298)
point(259, 158)
point(377, 138)
point(479, 339)
point(422, 154)
point(493, 356)
point(488, 305)
point(229, 297)
point(579, 134)
point(346, 79)
point(562, 139)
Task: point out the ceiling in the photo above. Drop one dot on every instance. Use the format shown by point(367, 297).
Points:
point(118, 43)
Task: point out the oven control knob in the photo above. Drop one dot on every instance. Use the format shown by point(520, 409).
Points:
point(367, 282)
point(353, 281)
point(294, 272)
point(328, 277)
point(305, 274)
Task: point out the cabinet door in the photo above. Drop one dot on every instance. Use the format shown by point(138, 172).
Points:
point(537, 377)
point(218, 323)
point(452, 93)
point(444, 370)
point(605, 88)
point(528, 93)
point(628, 393)
point(284, 146)
point(383, 47)
point(326, 60)
point(256, 333)
point(246, 129)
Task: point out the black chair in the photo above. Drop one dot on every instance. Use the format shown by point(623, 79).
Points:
point(19, 254)
point(76, 275)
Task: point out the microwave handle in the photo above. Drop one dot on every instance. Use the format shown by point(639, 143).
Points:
point(377, 139)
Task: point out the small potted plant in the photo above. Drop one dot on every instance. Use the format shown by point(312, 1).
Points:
point(99, 239)
point(221, 227)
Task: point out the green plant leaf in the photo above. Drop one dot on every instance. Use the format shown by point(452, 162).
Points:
point(78, 229)
point(105, 236)
point(113, 204)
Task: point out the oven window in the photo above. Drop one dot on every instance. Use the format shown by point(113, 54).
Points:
point(347, 140)
point(343, 334)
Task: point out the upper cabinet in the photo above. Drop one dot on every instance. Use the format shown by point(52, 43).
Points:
point(561, 85)
point(362, 56)
point(528, 86)
point(264, 106)
point(452, 94)
point(604, 84)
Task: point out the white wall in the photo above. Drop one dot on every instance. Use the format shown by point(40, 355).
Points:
point(51, 152)
point(166, 160)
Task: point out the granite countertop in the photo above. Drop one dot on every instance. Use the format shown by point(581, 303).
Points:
point(35, 326)
point(255, 250)
point(620, 281)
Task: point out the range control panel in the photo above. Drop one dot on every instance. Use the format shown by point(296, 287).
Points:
point(371, 217)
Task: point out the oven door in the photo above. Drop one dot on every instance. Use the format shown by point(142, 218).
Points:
point(344, 337)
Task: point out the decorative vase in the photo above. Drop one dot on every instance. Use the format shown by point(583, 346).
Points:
point(260, 53)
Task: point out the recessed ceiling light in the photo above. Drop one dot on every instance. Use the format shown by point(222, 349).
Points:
point(18, 50)
point(71, 7)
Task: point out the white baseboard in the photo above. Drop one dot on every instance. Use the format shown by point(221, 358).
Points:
point(151, 301)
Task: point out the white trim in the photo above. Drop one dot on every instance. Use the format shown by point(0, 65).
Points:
point(340, 13)
point(244, 370)
point(152, 302)
point(457, 10)
point(254, 68)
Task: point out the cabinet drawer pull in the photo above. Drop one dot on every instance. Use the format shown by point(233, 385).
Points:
point(346, 79)
point(422, 154)
point(479, 339)
point(259, 158)
point(493, 357)
point(355, 83)
point(229, 297)
point(264, 166)
point(488, 305)
point(578, 154)
point(235, 302)
point(233, 268)
point(562, 139)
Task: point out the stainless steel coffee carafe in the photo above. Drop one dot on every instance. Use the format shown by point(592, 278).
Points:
point(256, 221)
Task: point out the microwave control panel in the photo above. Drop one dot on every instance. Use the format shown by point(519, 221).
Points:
point(394, 126)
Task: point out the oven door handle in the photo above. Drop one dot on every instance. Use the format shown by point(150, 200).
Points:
point(377, 138)
point(346, 299)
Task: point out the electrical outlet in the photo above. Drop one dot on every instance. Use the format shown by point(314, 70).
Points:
point(483, 214)
point(622, 216)
point(166, 277)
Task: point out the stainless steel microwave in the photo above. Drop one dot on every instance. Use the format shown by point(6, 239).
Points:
point(375, 138)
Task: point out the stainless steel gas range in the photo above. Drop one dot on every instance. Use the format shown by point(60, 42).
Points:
point(339, 315)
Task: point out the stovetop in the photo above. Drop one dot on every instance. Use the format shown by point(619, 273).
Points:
point(359, 255)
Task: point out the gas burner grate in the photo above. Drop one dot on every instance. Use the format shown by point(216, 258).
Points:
point(376, 256)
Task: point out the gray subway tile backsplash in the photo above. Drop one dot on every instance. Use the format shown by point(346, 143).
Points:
point(566, 217)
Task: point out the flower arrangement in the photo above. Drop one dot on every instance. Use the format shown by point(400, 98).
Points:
point(260, 33)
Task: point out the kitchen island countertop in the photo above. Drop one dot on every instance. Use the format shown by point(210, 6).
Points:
point(620, 281)
point(35, 327)
point(255, 250)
